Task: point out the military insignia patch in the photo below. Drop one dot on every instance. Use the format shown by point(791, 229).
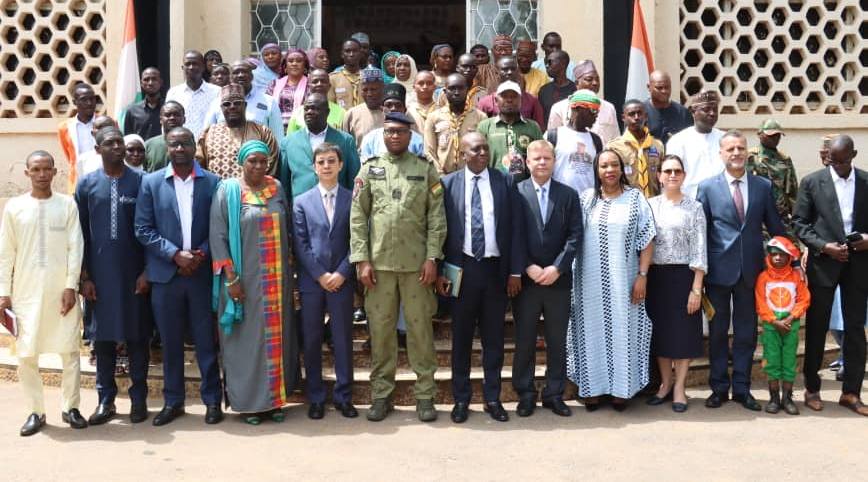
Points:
point(357, 187)
point(375, 172)
point(436, 188)
point(523, 141)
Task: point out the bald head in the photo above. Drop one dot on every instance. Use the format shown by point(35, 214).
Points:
point(660, 89)
point(475, 151)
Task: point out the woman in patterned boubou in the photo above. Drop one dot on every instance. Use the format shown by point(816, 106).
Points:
point(609, 334)
point(678, 267)
point(251, 249)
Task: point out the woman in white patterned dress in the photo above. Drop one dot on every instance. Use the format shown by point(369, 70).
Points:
point(609, 334)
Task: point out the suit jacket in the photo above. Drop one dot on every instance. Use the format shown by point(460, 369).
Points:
point(507, 228)
point(296, 160)
point(736, 249)
point(319, 247)
point(556, 241)
point(158, 223)
point(817, 221)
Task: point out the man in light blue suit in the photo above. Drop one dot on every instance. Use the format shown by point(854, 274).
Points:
point(737, 205)
point(172, 221)
point(321, 228)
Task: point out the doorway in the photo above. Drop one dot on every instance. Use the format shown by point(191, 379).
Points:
point(410, 27)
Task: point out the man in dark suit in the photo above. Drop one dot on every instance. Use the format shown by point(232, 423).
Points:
point(172, 222)
point(831, 218)
point(321, 228)
point(551, 228)
point(737, 205)
point(480, 205)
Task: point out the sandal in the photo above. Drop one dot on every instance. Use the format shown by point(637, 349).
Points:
point(278, 416)
point(252, 419)
point(812, 401)
point(853, 402)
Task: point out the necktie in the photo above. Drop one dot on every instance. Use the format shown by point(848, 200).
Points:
point(330, 206)
point(543, 204)
point(738, 199)
point(477, 229)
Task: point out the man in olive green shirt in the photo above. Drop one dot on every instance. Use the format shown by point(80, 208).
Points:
point(508, 133)
point(397, 230)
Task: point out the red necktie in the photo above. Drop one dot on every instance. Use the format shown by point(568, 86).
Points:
point(738, 199)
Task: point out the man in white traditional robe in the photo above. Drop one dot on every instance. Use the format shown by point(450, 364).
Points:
point(41, 249)
point(698, 146)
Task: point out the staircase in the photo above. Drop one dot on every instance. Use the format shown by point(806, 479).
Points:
point(405, 378)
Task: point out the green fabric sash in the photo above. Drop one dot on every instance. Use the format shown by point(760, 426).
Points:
point(233, 313)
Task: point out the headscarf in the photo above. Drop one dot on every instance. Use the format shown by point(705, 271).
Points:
point(134, 137)
point(262, 74)
point(251, 147)
point(586, 99)
point(285, 60)
point(311, 56)
point(408, 84)
point(434, 51)
point(386, 77)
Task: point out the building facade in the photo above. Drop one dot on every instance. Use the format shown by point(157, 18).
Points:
point(801, 61)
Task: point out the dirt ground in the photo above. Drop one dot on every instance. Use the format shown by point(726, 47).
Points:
point(643, 443)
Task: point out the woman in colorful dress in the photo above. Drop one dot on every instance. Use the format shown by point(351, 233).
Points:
point(291, 89)
point(609, 334)
point(251, 249)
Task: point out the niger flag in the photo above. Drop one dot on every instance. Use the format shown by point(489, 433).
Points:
point(641, 63)
point(127, 85)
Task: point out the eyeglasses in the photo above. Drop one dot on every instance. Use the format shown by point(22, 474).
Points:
point(670, 172)
point(177, 144)
point(396, 132)
point(323, 162)
point(232, 103)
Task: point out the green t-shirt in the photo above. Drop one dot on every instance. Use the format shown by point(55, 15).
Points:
point(503, 137)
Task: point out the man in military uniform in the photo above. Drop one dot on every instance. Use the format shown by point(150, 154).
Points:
point(767, 161)
point(397, 229)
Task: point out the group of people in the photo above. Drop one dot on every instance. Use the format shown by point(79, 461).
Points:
point(290, 193)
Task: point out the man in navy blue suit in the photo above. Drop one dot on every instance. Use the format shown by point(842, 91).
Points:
point(172, 221)
point(737, 205)
point(321, 227)
point(480, 205)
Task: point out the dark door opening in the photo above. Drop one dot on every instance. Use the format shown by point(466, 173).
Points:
point(152, 36)
point(409, 27)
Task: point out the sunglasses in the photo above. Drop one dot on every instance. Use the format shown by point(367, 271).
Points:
point(670, 172)
point(233, 103)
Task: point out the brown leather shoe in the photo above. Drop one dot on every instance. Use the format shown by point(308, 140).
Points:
point(812, 401)
point(852, 401)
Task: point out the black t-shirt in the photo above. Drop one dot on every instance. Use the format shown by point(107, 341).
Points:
point(143, 120)
point(550, 94)
point(664, 123)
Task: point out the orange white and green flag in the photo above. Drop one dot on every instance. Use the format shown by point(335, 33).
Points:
point(127, 88)
point(641, 62)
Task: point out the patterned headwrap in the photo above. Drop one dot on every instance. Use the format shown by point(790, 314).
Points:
point(371, 74)
point(584, 98)
point(232, 91)
point(311, 56)
point(584, 67)
point(703, 98)
point(386, 77)
point(294, 50)
point(502, 37)
point(251, 147)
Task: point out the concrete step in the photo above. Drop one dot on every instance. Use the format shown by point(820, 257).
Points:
point(405, 378)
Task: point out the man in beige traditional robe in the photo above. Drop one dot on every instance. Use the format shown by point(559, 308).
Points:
point(41, 249)
point(369, 115)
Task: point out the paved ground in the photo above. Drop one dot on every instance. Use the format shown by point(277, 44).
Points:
point(643, 443)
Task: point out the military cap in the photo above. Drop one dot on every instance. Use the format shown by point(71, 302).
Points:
point(399, 117)
point(770, 127)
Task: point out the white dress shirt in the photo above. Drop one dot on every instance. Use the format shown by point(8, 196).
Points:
point(197, 104)
point(184, 197)
point(316, 139)
point(845, 190)
point(538, 189)
point(700, 154)
point(322, 195)
point(488, 225)
point(84, 140)
point(741, 187)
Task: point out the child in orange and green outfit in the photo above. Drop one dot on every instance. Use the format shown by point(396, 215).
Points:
point(782, 297)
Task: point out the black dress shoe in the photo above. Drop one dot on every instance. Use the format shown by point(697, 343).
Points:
point(525, 408)
point(33, 425)
point(103, 413)
point(679, 407)
point(74, 418)
point(715, 400)
point(460, 412)
point(347, 409)
point(316, 411)
point(360, 315)
point(138, 413)
point(557, 406)
point(213, 414)
point(167, 414)
point(655, 400)
point(748, 402)
point(496, 411)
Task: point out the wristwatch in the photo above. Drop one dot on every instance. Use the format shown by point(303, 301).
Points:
point(643, 273)
point(697, 292)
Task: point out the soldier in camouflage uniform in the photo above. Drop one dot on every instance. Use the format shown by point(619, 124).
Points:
point(397, 230)
point(767, 161)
